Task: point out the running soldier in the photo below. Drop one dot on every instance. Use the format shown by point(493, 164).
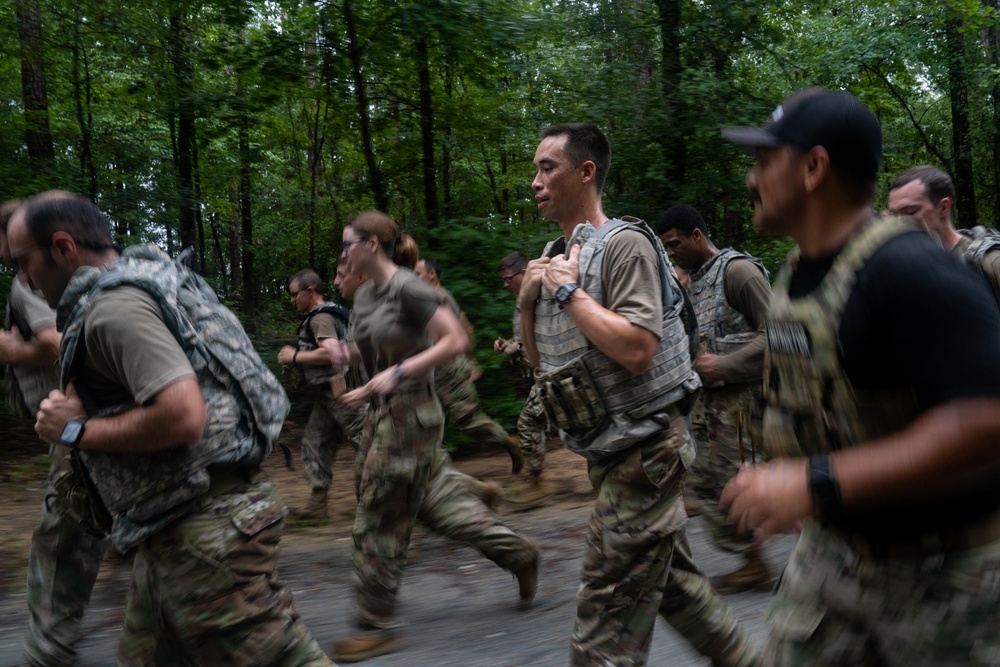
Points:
point(170, 412)
point(927, 194)
point(454, 381)
point(730, 295)
point(531, 422)
point(600, 316)
point(330, 422)
point(66, 547)
point(401, 330)
point(882, 412)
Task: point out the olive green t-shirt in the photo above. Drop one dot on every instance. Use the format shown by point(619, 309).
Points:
point(130, 353)
point(323, 325)
point(749, 293)
point(390, 321)
point(631, 280)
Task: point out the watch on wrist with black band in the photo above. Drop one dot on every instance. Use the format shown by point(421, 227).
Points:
point(565, 292)
point(824, 488)
point(72, 433)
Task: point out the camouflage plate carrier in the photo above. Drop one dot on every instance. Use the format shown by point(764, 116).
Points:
point(246, 403)
point(810, 406)
point(599, 407)
point(983, 242)
point(320, 375)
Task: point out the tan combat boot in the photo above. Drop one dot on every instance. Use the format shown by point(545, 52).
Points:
point(753, 576)
point(527, 579)
point(316, 508)
point(530, 495)
point(488, 492)
point(513, 447)
point(364, 645)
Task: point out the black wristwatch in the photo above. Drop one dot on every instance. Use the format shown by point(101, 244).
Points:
point(565, 292)
point(824, 488)
point(72, 433)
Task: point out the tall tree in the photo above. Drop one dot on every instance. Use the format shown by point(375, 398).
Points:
point(38, 133)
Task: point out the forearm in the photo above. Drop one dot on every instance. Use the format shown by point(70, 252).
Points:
point(317, 357)
point(446, 348)
point(948, 449)
point(745, 364)
point(175, 417)
point(631, 346)
point(41, 351)
point(528, 344)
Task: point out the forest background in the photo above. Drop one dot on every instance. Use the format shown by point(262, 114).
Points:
point(254, 129)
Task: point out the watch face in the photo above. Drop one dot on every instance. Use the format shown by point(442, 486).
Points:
point(72, 432)
point(564, 292)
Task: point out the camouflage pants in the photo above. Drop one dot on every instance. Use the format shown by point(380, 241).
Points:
point(406, 476)
point(836, 608)
point(531, 430)
point(330, 425)
point(457, 393)
point(65, 557)
point(205, 589)
point(714, 426)
point(638, 564)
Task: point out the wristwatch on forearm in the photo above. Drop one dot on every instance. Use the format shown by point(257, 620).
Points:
point(565, 292)
point(824, 488)
point(72, 433)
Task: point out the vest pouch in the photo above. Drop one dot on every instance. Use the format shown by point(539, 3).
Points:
point(570, 397)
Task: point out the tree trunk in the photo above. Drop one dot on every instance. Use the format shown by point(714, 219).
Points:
point(38, 133)
point(960, 137)
point(431, 211)
point(993, 47)
point(82, 92)
point(179, 51)
point(674, 149)
point(364, 120)
point(246, 228)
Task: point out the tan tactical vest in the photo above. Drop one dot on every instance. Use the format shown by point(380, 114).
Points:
point(810, 406)
point(723, 328)
point(636, 406)
point(320, 375)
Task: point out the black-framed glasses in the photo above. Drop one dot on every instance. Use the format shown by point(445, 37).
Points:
point(508, 279)
point(348, 244)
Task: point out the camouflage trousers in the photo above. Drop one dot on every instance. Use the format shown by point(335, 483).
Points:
point(330, 425)
point(714, 426)
point(66, 553)
point(835, 607)
point(638, 564)
point(205, 589)
point(457, 393)
point(532, 426)
point(407, 477)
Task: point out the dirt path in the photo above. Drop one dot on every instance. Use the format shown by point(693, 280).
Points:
point(459, 609)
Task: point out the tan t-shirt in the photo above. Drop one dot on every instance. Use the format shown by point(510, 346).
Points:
point(323, 325)
point(631, 280)
point(130, 353)
point(390, 322)
point(748, 292)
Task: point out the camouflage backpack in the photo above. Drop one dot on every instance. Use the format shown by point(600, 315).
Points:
point(246, 403)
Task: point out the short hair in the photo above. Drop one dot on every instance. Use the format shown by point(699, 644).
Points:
point(7, 210)
point(937, 183)
point(307, 278)
point(685, 219)
point(56, 211)
point(515, 260)
point(584, 141)
point(432, 264)
point(407, 252)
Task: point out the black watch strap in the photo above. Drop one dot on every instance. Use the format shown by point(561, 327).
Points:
point(824, 488)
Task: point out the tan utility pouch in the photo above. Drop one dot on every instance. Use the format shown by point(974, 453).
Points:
point(570, 398)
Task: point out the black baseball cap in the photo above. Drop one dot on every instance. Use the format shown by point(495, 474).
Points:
point(835, 120)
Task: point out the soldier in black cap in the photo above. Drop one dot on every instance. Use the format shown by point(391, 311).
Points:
point(882, 412)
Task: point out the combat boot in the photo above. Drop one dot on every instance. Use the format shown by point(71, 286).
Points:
point(316, 508)
point(488, 492)
point(364, 645)
point(692, 507)
point(513, 447)
point(530, 495)
point(527, 579)
point(753, 576)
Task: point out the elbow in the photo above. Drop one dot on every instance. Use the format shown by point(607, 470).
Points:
point(191, 429)
point(638, 358)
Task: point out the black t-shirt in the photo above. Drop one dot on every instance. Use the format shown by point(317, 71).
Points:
point(918, 318)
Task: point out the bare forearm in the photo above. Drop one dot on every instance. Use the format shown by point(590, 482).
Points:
point(40, 352)
point(631, 346)
point(946, 450)
point(317, 357)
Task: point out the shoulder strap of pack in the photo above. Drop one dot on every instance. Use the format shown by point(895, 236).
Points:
point(341, 314)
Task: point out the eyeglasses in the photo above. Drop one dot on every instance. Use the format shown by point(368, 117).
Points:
point(507, 280)
point(348, 244)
